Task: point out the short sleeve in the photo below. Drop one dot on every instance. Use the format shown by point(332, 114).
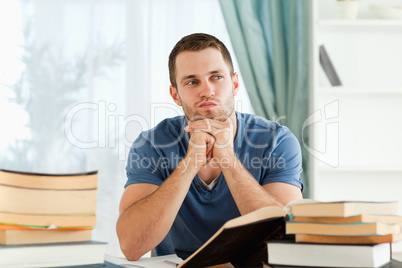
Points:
point(285, 163)
point(144, 163)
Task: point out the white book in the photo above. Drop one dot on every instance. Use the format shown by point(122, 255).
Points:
point(320, 255)
point(52, 255)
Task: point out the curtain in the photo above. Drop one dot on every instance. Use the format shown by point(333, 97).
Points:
point(271, 42)
point(80, 79)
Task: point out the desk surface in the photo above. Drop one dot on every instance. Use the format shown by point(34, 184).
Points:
point(121, 261)
point(397, 256)
point(396, 263)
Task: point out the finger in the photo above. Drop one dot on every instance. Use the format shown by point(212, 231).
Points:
point(205, 125)
point(210, 149)
point(208, 125)
point(210, 145)
point(190, 130)
point(209, 156)
point(199, 125)
point(201, 140)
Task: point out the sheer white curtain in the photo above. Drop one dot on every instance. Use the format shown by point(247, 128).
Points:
point(80, 79)
point(154, 27)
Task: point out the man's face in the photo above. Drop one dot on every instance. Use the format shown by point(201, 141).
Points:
point(205, 88)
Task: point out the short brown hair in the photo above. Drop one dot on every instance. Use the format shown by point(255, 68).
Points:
point(197, 42)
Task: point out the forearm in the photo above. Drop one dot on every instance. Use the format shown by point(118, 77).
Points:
point(248, 194)
point(145, 223)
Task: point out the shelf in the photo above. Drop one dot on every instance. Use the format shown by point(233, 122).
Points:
point(360, 169)
point(367, 51)
point(341, 90)
point(359, 23)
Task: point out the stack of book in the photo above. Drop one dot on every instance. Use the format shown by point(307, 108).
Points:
point(338, 234)
point(264, 238)
point(45, 214)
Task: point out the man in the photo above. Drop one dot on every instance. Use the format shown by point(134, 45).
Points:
point(189, 175)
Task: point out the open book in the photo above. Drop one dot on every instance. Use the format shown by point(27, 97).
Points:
point(241, 241)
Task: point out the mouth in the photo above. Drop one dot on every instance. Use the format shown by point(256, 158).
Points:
point(207, 104)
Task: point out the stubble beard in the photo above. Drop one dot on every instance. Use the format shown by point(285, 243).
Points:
point(222, 114)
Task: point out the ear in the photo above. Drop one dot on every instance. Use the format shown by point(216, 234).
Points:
point(235, 80)
point(175, 95)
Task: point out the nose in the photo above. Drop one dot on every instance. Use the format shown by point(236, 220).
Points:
point(207, 90)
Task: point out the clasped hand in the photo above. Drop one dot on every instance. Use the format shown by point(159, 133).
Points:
point(210, 140)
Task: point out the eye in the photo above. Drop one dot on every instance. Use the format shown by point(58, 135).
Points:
point(217, 77)
point(191, 83)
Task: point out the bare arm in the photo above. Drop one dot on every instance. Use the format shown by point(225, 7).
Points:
point(249, 195)
point(147, 212)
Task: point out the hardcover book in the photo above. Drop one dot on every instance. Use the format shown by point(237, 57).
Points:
point(53, 255)
point(241, 241)
point(375, 228)
point(19, 235)
point(343, 209)
point(291, 253)
point(328, 67)
point(352, 239)
point(47, 194)
point(352, 219)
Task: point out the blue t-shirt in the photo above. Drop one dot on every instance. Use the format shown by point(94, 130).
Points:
point(269, 151)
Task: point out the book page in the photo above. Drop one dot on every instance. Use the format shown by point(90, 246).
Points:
point(167, 261)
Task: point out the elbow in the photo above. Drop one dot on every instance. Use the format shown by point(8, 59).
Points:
point(127, 245)
point(129, 250)
point(131, 256)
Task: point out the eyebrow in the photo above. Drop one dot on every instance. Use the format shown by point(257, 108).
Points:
point(187, 77)
point(194, 76)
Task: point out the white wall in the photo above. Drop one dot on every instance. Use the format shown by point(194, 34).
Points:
point(368, 60)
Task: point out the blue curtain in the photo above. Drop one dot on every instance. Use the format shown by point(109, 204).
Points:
point(271, 42)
